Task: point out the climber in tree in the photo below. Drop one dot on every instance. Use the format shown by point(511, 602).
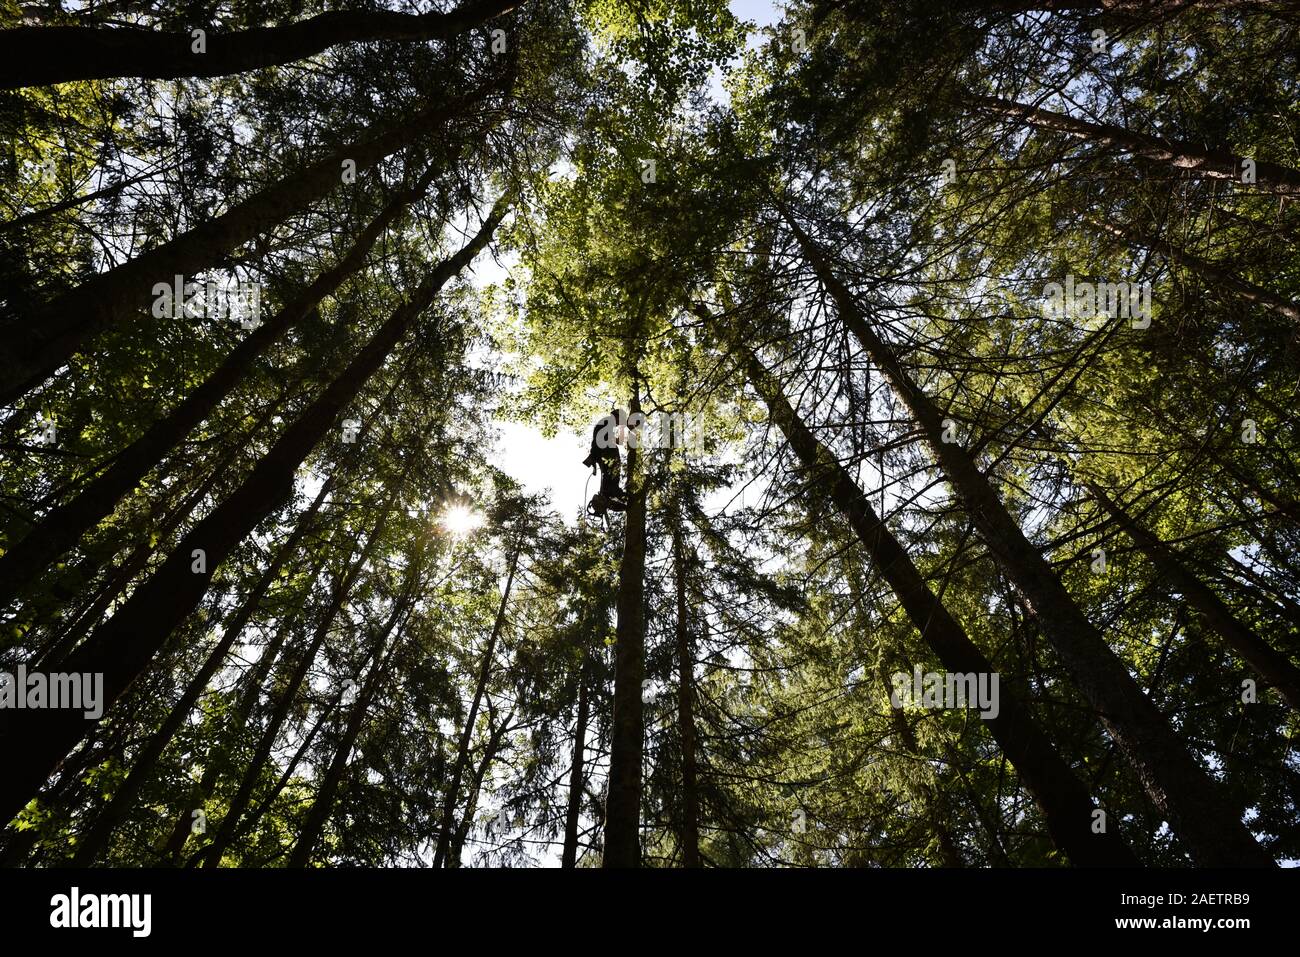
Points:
point(606, 437)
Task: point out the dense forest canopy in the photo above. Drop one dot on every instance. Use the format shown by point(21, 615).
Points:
point(954, 504)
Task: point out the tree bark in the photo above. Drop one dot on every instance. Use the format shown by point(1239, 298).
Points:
point(36, 740)
point(577, 772)
point(35, 347)
point(1176, 782)
point(467, 733)
point(1211, 163)
point(689, 835)
point(60, 529)
point(1066, 805)
point(37, 56)
point(623, 800)
point(1269, 663)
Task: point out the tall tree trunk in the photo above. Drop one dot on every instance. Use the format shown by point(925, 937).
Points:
point(230, 822)
point(689, 835)
point(1266, 661)
point(577, 771)
point(1211, 163)
point(37, 56)
point(63, 526)
point(1065, 803)
point(252, 683)
point(490, 750)
point(36, 346)
point(467, 733)
point(1198, 812)
point(36, 740)
point(329, 786)
point(142, 771)
point(118, 579)
point(623, 801)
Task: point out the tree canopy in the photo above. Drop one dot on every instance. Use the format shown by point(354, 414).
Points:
point(957, 499)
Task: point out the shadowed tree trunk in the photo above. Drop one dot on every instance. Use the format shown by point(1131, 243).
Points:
point(623, 800)
point(1198, 812)
point(689, 834)
point(1063, 799)
point(577, 772)
point(36, 56)
point(1269, 663)
point(37, 740)
point(467, 733)
point(60, 529)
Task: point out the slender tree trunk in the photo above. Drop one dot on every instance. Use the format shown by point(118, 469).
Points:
point(475, 788)
point(1065, 803)
point(326, 794)
point(1266, 661)
point(252, 682)
point(230, 822)
point(1212, 274)
point(1197, 811)
point(63, 526)
point(689, 836)
point(118, 579)
point(37, 56)
point(467, 733)
point(577, 772)
point(35, 347)
point(623, 801)
point(1211, 163)
point(96, 839)
point(36, 740)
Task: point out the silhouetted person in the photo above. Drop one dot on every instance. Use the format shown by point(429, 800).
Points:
point(605, 439)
